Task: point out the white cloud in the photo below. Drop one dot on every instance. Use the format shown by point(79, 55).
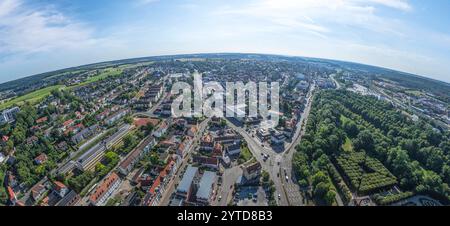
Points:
point(7, 6)
point(27, 30)
point(396, 4)
point(316, 16)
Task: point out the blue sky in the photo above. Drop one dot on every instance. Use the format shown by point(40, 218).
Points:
point(407, 35)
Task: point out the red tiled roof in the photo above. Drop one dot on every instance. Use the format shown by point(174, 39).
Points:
point(41, 120)
point(11, 193)
point(208, 138)
point(181, 146)
point(166, 143)
point(161, 177)
point(59, 185)
point(104, 187)
point(41, 158)
point(37, 189)
point(68, 122)
point(193, 129)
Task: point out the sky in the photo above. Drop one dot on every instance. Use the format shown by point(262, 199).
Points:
point(407, 35)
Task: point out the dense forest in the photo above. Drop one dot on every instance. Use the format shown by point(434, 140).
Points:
point(359, 145)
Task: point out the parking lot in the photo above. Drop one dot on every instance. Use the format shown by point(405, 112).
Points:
point(251, 196)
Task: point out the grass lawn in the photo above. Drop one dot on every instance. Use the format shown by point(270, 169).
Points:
point(33, 97)
point(416, 93)
point(110, 72)
point(348, 145)
point(246, 155)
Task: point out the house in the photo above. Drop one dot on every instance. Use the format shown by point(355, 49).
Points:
point(2, 158)
point(210, 162)
point(60, 189)
point(145, 180)
point(85, 133)
point(218, 150)
point(186, 185)
point(207, 143)
point(11, 160)
point(104, 190)
point(67, 124)
point(12, 196)
point(42, 120)
point(32, 140)
point(183, 147)
point(11, 180)
point(128, 163)
point(167, 143)
point(252, 170)
point(233, 149)
point(192, 131)
point(102, 115)
point(38, 191)
point(62, 146)
point(206, 188)
point(161, 130)
point(40, 159)
point(228, 138)
point(158, 187)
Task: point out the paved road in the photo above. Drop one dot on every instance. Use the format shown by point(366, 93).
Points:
point(229, 178)
point(277, 162)
point(268, 165)
point(338, 85)
point(291, 186)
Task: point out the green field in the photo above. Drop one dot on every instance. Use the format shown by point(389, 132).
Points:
point(111, 72)
point(33, 97)
point(37, 96)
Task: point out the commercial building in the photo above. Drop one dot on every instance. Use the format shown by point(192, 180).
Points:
point(90, 158)
point(186, 185)
point(206, 188)
point(9, 115)
point(71, 199)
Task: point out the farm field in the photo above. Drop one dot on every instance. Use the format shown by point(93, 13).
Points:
point(36, 96)
point(33, 97)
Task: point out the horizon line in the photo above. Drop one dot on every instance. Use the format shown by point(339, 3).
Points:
point(218, 53)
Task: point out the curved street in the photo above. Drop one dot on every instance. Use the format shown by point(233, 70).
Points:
point(277, 163)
